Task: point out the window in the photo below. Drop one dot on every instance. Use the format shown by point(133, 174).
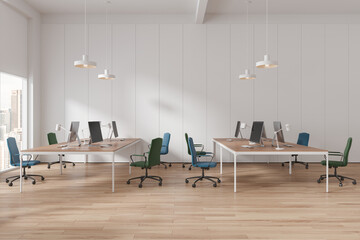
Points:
point(12, 114)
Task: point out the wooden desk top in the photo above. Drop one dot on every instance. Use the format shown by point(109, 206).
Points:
point(236, 146)
point(56, 148)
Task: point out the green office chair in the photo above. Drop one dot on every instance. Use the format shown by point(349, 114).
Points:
point(153, 159)
point(335, 164)
point(53, 140)
point(197, 145)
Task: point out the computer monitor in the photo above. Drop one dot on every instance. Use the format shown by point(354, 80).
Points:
point(256, 132)
point(95, 132)
point(237, 130)
point(115, 131)
point(278, 129)
point(74, 128)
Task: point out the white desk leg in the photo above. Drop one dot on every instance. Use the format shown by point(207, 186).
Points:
point(21, 179)
point(327, 172)
point(234, 172)
point(113, 172)
point(290, 167)
point(221, 159)
point(61, 157)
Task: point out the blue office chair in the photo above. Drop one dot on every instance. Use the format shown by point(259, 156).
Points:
point(303, 139)
point(15, 161)
point(203, 165)
point(165, 148)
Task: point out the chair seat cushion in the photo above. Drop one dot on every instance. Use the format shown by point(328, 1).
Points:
point(138, 164)
point(27, 163)
point(206, 164)
point(333, 163)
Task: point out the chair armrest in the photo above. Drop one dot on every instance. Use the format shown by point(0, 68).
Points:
point(137, 155)
point(206, 156)
point(336, 154)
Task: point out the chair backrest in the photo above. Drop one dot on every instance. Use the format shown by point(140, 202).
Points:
point(347, 150)
point(187, 143)
point(13, 150)
point(154, 153)
point(165, 144)
point(303, 139)
point(52, 138)
point(237, 130)
point(193, 152)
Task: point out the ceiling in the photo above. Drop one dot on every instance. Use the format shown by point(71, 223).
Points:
point(189, 6)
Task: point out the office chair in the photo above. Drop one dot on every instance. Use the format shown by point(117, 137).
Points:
point(15, 161)
point(153, 159)
point(53, 140)
point(203, 165)
point(165, 148)
point(335, 164)
point(303, 139)
point(201, 152)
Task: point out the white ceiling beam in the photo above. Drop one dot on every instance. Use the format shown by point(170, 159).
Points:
point(200, 11)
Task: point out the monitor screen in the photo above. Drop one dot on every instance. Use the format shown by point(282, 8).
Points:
point(237, 130)
point(280, 134)
point(74, 128)
point(116, 134)
point(95, 132)
point(256, 132)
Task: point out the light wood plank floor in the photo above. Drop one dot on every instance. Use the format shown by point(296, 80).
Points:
point(269, 204)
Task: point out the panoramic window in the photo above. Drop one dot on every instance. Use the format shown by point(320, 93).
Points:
point(12, 109)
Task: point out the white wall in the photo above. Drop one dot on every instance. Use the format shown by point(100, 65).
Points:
point(184, 78)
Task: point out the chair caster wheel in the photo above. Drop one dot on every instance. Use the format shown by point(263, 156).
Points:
point(194, 185)
point(307, 166)
point(214, 185)
point(319, 181)
point(140, 185)
point(160, 183)
point(42, 178)
point(33, 182)
point(219, 181)
point(165, 167)
point(183, 166)
point(189, 168)
point(48, 166)
point(354, 182)
point(186, 181)
point(64, 166)
point(170, 165)
point(340, 184)
point(128, 182)
point(73, 164)
point(10, 184)
point(6, 181)
point(282, 164)
point(25, 178)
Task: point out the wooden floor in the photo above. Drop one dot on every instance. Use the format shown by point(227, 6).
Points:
point(269, 204)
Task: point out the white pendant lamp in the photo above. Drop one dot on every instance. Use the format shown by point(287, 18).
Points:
point(106, 75)
point(247, 75)
point(85, 62)
point(267, 63)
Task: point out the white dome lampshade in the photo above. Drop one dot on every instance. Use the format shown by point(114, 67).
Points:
point(266, 63)
point(247, 75)
point(106, 75)
point(85, 63)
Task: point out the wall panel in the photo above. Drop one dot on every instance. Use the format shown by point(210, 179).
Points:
point(194, 88)
point(171, 83)
point(147, 83)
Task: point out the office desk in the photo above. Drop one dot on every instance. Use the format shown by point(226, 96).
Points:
point(56, 149)
point(235, 148)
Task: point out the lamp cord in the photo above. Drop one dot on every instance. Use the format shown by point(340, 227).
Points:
point(248, 33)
point(267, 25)
point(85, 32)
point(106, 37)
